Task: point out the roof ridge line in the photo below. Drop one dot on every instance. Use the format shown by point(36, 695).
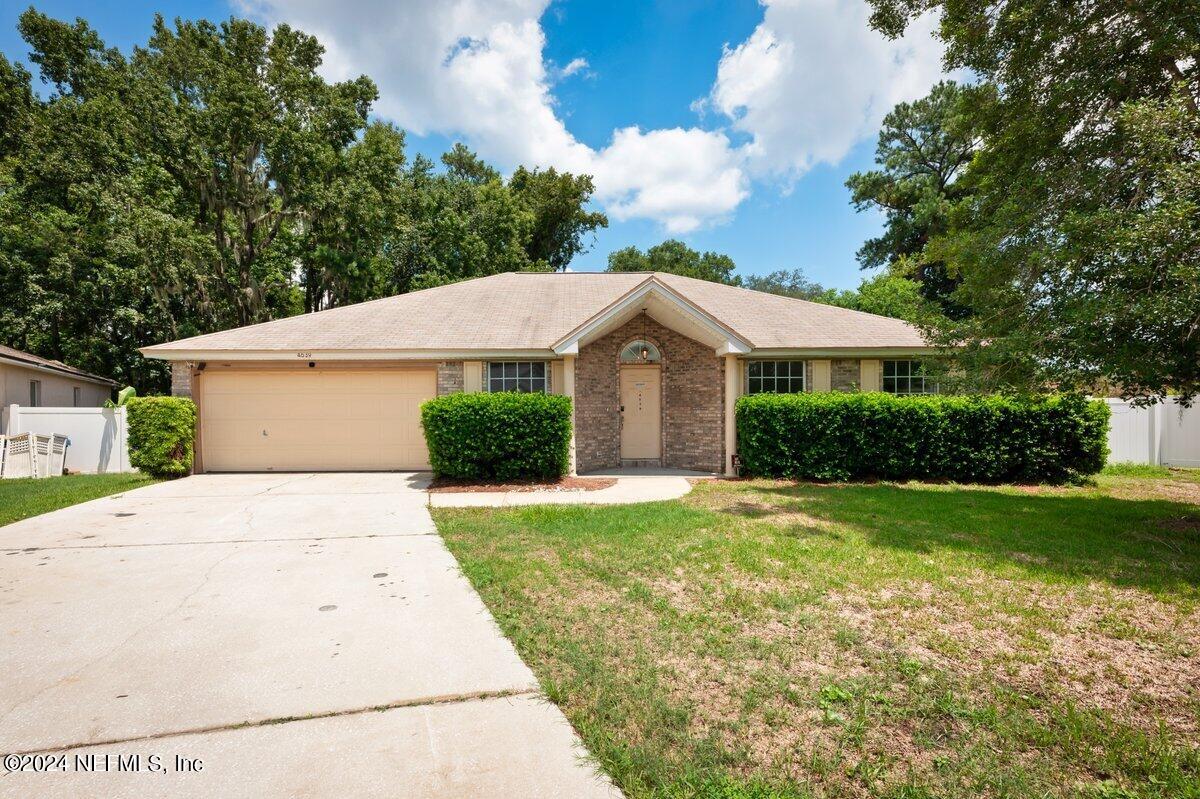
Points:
point(794, 299)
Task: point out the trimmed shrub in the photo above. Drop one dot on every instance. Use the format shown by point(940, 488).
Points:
point(501, 435)
point(162, 431)
point(973, 439)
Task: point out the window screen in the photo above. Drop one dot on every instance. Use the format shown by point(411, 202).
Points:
point(525, 376)
point(906, 377)
point(775, 377)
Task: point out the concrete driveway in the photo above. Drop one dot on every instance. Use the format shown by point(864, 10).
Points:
point(264, 635)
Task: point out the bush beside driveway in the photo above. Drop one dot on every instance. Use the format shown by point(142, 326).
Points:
point(774, 639)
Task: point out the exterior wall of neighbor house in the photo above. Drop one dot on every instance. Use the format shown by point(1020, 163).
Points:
point(693, 410)
point(58, 390)
point(449, 377)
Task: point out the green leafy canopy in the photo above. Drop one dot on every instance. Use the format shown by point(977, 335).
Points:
point(1076, 242)
point(212, 178)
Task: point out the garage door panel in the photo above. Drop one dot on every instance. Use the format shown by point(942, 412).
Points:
point(424, 382)
point(314, 420)
point(230, 434)
point(233, 406)
point(244, 383)
point(369, 408)
point(365, 382)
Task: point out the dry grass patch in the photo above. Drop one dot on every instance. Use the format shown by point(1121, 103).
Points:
point(771, 640)
point(1122, 652)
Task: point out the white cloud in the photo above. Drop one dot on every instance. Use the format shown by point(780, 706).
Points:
point(684, 178)
point(813, 79)
point(573, 66)
point(810, 82)
point(475, 69)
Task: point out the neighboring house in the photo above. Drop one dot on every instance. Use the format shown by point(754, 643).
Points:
point(654, 363)
point(31, 381)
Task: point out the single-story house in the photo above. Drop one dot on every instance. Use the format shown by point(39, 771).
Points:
point(32, 381)
point(653, 362)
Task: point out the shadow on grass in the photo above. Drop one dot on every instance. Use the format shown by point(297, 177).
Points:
point(1148, 544)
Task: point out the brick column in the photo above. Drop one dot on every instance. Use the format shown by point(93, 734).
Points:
point(181, 379)
point(845, 374)
point(449, 377)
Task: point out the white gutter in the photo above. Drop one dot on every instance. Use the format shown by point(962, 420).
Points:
point(841, 352)
point(219, 356)
point(729, 347)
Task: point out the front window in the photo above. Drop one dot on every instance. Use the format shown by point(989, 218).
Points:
point(35, 393)
point(907, 377)
point(77, 396)
point(775, 377)
point(524, 376)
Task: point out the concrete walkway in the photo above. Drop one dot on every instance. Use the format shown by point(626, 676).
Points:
point(295, 635)
point(633, 485)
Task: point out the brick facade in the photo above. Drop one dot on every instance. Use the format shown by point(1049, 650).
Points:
point(844, 375)
point(181, 379)
point(449, 377)
point(693, 408)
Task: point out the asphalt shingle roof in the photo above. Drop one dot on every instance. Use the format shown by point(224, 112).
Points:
point(530, 311)
point(58, 366)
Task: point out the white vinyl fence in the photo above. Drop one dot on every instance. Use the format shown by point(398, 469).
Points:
point(96, 437)
point(1165, 434)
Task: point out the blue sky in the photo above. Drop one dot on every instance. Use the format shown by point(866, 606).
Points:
point(731, 125)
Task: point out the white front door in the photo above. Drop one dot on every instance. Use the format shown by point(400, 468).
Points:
point(641, 412)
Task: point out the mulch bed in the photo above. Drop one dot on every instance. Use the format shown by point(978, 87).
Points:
point(442, 485)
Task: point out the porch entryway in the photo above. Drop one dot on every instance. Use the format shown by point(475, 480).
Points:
point(653, 379)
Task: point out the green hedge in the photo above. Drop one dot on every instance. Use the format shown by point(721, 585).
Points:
point(162, 431)
point(965, 439)
point(502, 436)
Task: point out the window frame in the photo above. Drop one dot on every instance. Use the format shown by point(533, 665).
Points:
point(655, 353)
point(77, 396)
point(517, 378)
point(757, 383)
point(902, 385)
point(35, 393)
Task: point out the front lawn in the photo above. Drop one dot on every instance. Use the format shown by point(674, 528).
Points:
point(25, 497)
point(770, 639)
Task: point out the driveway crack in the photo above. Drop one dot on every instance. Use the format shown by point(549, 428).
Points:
point(297, 479)
point(220, 541)
point(446, 699)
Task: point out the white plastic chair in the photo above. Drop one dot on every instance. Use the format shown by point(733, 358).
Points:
point(20, 458)
point(56, 458)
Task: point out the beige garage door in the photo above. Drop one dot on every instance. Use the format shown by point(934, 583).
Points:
point(314, 419)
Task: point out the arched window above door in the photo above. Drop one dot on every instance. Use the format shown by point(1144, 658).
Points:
point(640, 351)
